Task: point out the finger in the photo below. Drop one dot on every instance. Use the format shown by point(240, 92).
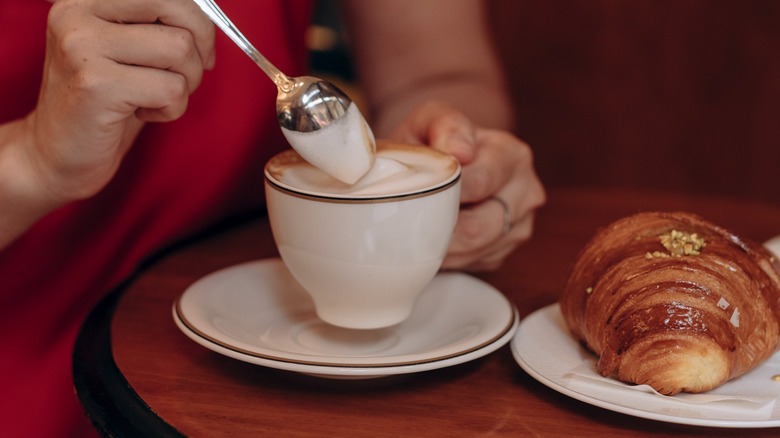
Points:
point(157, 46)
point(153, 94)
point(123, 67)
point(478, 226)
point(499, 158)
point(482, 225)
point(442, 127)
point(183, 14)
point(503, 170)
point(164, 101)
point(491, 257)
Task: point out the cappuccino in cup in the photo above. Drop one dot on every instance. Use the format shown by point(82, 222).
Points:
point(365, 251)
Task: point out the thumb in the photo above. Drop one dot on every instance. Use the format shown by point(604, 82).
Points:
point(459, 141)
point(442, 127)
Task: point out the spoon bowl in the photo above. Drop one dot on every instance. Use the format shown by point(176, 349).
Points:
point(314, 104)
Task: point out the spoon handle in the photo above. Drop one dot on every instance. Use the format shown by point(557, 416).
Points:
point(223, 22)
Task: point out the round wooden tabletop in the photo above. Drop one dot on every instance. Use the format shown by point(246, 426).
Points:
point(137, 374)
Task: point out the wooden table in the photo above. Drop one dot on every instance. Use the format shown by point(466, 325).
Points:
point(138, 375)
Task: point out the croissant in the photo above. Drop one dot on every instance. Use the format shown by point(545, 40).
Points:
point(670, 300)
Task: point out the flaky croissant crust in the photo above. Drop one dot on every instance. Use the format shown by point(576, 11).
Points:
point(677, 323)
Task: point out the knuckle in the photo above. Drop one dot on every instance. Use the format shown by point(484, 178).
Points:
point(472, 232)
point(185, 60)
point(59, 13)
point(176, 99)
point(67, 43)
point(180, 49)
point(522, 231)
point(181, 45)
point(522, 153)
point(86, 82)
point(178, 87)
point(171, 87)
point(538, 194)
point(490, 265)
point(478, 183)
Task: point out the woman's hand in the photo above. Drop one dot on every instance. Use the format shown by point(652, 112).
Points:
point(410, 57)
point(111, 65)
point(499, 187)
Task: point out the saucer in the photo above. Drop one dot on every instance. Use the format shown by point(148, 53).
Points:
point(256, 312)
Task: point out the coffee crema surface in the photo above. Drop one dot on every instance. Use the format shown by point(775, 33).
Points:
point(398, 169)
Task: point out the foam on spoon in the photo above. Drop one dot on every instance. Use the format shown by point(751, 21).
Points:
point(344, 149)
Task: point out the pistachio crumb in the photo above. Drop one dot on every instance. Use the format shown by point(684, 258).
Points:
point(589, 290)
point(680, 243)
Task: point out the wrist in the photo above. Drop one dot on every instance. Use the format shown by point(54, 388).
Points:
point(24, 197)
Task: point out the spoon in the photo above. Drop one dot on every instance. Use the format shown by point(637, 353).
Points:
point(344, 146)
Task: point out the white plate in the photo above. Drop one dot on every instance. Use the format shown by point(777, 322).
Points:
point(545, 349)
point(773, 245)
point(256, 312)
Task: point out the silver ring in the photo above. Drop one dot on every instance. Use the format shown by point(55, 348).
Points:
point(507, 214)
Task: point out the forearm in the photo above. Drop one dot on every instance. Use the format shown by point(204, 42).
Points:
point(409, 51)
point(486, 105)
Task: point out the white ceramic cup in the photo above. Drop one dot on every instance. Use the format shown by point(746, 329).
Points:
point(364, 252)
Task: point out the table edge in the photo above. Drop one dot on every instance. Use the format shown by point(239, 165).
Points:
point(107, 399)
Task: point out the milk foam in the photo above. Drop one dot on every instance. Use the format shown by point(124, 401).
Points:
point(397, 169)
point(343, 149)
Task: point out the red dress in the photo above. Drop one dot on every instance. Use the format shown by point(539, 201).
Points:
point(178, 178)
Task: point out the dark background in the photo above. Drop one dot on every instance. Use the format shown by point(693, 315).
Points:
point(659, 94)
